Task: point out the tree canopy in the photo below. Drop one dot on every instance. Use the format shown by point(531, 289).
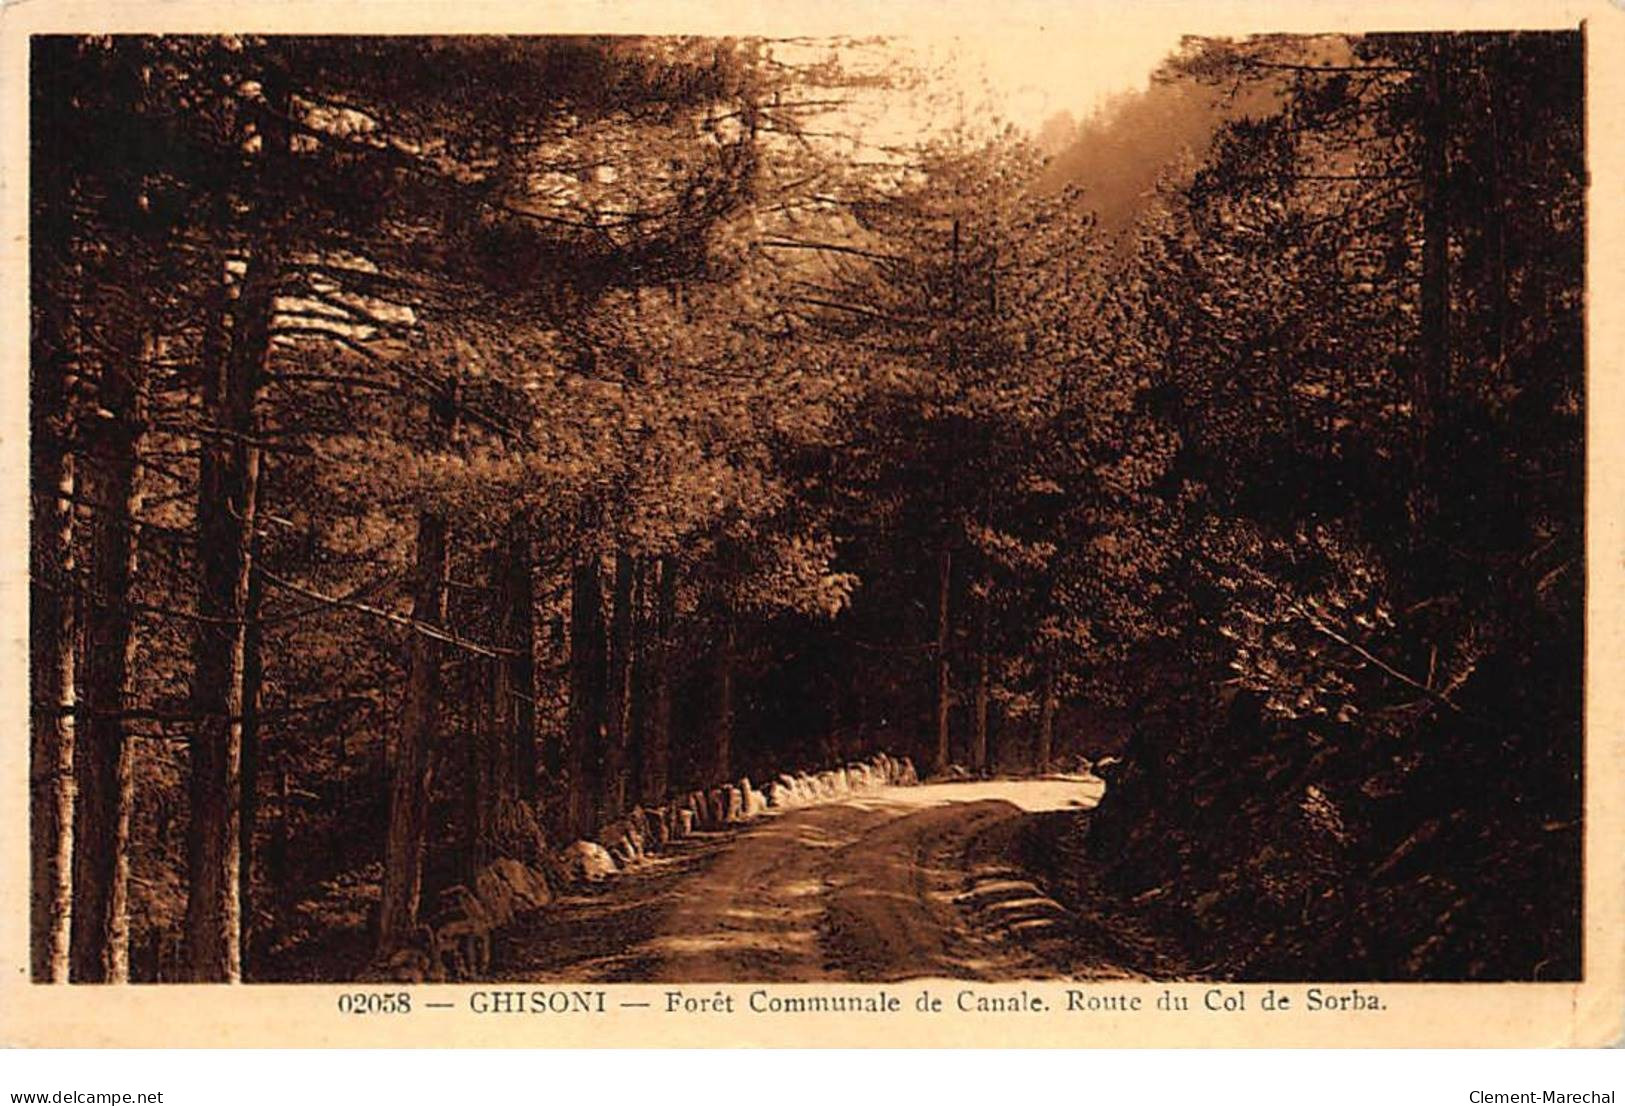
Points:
point(444, 446)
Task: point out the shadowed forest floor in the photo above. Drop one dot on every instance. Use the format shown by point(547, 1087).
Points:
point(904, 883)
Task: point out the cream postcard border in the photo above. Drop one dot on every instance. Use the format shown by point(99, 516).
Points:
point(1461, 1014)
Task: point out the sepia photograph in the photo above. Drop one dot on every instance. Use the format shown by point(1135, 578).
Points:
point(537, 512)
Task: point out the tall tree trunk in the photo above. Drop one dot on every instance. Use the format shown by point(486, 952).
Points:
point(945, 563)
point(638, 712)
point(54, 604)
point(491, 783)
point(339, 832)
point(612, 799)
point(277, 873)
point(519, 635)
point(485, 688)
point(253, 678)
point(227, 493)
point(1046, 715)
point(555, 753)
point(826, 717)
point(723, 734)
point(979, 758)
point(945, 556)
point(411, 761)
point(487, 778)
point(1433, 376)
point(657, 746)
point(858, 712)
point(52, 643)
point(1496, 219)
point(99, 938)
point(588, 676)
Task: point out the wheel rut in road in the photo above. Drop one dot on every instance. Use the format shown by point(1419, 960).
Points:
point(897, 884)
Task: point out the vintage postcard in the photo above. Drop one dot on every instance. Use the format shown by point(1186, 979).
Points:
point(840, 524)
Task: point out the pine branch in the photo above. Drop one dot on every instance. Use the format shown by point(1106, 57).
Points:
point(426, 629)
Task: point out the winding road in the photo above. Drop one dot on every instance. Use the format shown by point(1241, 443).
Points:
point(900, 883)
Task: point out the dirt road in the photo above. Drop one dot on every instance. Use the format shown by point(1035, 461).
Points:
point(896, 884)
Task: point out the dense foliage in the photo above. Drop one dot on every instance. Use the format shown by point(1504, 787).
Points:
point(443, 445)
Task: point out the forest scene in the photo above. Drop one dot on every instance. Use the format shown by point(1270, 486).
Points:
point(698, 509)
